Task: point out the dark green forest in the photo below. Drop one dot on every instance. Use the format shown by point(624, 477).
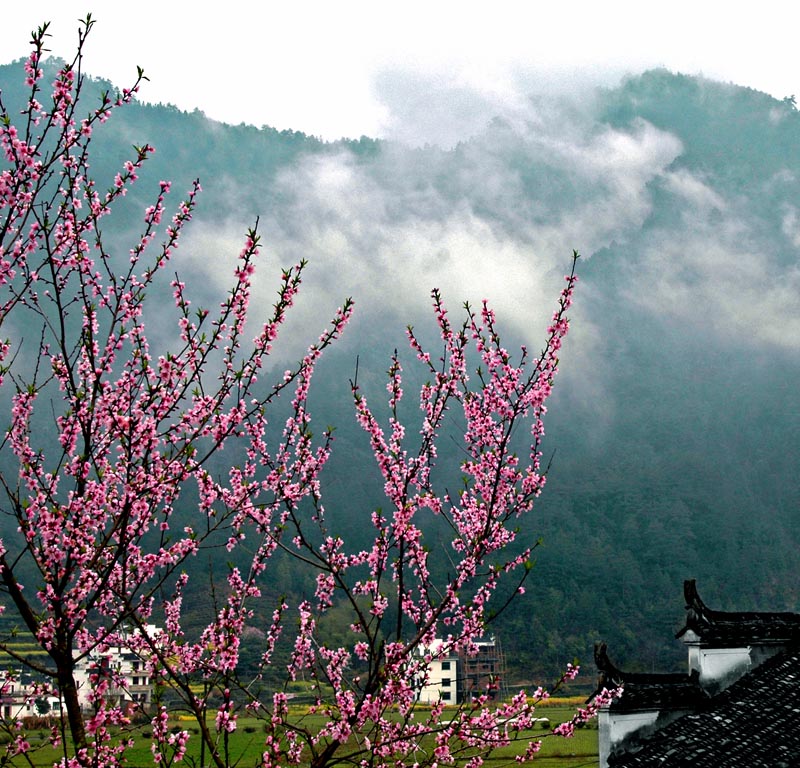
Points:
point(673, 433)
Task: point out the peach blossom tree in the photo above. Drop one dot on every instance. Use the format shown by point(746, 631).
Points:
point(108, 439)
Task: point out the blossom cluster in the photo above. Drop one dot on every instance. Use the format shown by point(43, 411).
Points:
point(134, 429)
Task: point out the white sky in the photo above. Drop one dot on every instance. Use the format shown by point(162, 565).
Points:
point(314, 65)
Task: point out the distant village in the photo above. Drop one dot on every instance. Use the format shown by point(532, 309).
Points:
point(452, 678)
point(20, 698)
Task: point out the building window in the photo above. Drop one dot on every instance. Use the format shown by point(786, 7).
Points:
point(445, 695)
point(445, 682)
point(445, 665)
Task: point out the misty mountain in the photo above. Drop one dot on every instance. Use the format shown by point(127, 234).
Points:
point(674, 427)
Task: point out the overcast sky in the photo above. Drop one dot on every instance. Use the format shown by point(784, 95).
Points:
point(325, 67)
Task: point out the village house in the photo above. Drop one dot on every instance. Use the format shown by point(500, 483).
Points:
point(130, 668)
point(18, 696)
point(454, 678)
point(441, 683)
point(737, 706)
point(18, 700)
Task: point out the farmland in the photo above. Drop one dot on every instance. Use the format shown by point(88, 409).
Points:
point(246, 743)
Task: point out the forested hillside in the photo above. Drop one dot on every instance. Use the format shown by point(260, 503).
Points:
point(674, 429)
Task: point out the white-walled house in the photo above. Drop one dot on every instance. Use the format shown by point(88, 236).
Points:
point(441, 683)
point(456, 677)
point(129, 666)
point(648, 703)
point(737, 706)
point(17, 697)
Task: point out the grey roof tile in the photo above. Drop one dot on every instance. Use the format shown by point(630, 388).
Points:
point(734, 628)
point(755, 722)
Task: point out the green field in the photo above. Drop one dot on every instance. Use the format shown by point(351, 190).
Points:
point(246, 745)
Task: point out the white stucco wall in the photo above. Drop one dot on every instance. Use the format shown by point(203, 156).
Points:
point(442, 682)
point(613, 728)
point(719, 667)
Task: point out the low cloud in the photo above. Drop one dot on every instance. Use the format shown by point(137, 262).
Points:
point(718, 273)
point(497, 215)
point(497, 220)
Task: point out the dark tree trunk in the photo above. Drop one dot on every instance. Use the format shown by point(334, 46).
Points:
point(69, 695)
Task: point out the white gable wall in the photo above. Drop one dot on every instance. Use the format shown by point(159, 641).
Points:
point(614, 728)
point(719, 667)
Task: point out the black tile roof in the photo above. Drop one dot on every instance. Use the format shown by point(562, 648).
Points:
point(667, 691)
point(754, 722)
point(736, 628)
